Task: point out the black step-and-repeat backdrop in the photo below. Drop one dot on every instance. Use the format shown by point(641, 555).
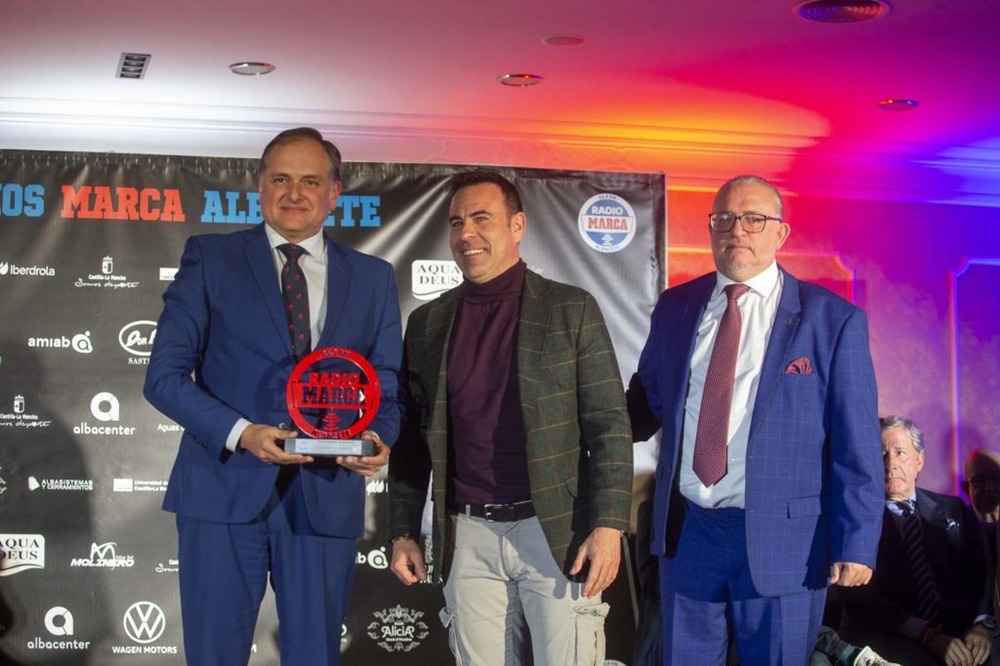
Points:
point(88, 243)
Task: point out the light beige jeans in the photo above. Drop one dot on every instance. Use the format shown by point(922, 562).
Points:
point(504, 581)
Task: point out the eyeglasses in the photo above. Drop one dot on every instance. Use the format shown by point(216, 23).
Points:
point(752, 223)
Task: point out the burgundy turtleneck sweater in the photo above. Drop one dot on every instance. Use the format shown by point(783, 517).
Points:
point(487, 446)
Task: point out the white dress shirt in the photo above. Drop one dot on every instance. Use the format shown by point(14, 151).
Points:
point(758, 308)
point(313, 264)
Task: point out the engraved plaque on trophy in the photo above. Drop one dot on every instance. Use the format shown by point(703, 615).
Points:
point(332, 395)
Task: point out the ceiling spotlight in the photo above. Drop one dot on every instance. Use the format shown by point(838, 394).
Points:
point(252, 68)
point(898, 104)
point(520, 80)
point(564, 40)
point(841, 11)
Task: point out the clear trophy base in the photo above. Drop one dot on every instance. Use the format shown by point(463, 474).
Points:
point(329, 447)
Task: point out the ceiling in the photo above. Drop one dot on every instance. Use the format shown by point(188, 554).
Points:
point(699, 90)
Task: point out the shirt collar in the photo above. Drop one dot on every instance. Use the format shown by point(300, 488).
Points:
point(894, 508)
point(315, 245)
point(763, 283)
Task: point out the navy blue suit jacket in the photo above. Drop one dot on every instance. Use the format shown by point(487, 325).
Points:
point(222, 352)
point(814, 471)
point(955, 551)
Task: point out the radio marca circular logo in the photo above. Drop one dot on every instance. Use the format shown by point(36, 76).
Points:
point(607, 222)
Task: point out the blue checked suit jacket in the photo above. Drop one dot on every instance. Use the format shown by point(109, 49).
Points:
point(814, 472)
point(222, 352)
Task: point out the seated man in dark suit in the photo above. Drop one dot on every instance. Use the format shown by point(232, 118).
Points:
point(981, 484)
point(927, 602)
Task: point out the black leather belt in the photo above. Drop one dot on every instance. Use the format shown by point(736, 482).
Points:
point(499, 513)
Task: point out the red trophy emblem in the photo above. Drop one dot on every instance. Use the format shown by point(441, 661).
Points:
point(332, 395)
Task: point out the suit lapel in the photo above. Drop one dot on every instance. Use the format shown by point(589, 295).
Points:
point(934, 527)
point(786, 322)
point(686, 332)
point(338, 283)
point(262, 267)
point(532, 325)
point(434, 352)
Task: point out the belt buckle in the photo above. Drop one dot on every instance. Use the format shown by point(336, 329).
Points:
point(491, 511)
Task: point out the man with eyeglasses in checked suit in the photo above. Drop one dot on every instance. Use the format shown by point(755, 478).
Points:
point(769, 478)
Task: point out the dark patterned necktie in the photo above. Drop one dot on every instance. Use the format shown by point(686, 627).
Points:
point(296, 296)
point(710, 447)
point(928, 603)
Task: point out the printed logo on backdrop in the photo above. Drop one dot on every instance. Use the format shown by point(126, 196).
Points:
point(86, 485)
point(375, 487)
point(80, 343)
point(125, 485)
point(144, 623)
point(137, 339)
point(104, 407)
point(3, 484)
point(607, 223)
point(58, 622)
point(172, 566)
point(20, 416)
point(167, 274)
point(430, 278)
point(107, 278)
point(18, 199)
point(376, 559)
point(238, 207)
point(398, 629)
point(101, 202)
point(7, 268)
point(21, 552)
point(105, 556)
point(168, 427)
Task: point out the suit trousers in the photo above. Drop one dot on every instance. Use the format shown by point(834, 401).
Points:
point(707, 595)
point(504, 581)
point(224, 568)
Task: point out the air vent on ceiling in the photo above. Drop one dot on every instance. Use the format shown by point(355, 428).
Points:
point(133, 65)
point(841, 11)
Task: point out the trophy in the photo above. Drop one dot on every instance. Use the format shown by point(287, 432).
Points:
point(332, 395)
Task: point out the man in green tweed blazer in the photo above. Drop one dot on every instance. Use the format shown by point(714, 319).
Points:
point(516, 406)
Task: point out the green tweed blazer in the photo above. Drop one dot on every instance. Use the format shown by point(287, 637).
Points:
point(578, 437)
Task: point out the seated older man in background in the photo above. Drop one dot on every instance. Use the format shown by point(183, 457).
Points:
point(927, 602)
point(982, 486)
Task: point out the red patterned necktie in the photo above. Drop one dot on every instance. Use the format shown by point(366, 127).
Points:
point(710, 447)
point(296, 296)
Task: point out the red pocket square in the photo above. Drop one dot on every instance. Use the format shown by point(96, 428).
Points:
point(800, 366)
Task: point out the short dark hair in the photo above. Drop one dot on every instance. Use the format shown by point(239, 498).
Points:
point(511, 197)
point(299, 134)
point(915, 434)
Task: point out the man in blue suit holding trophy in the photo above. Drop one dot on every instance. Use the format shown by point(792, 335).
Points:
point(226, 344)
point(769, 478)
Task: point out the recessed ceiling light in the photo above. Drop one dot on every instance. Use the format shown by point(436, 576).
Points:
point(564, 40)
point(841, 11)
point(898, 104)
point(252, 68)
point(520, 80)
